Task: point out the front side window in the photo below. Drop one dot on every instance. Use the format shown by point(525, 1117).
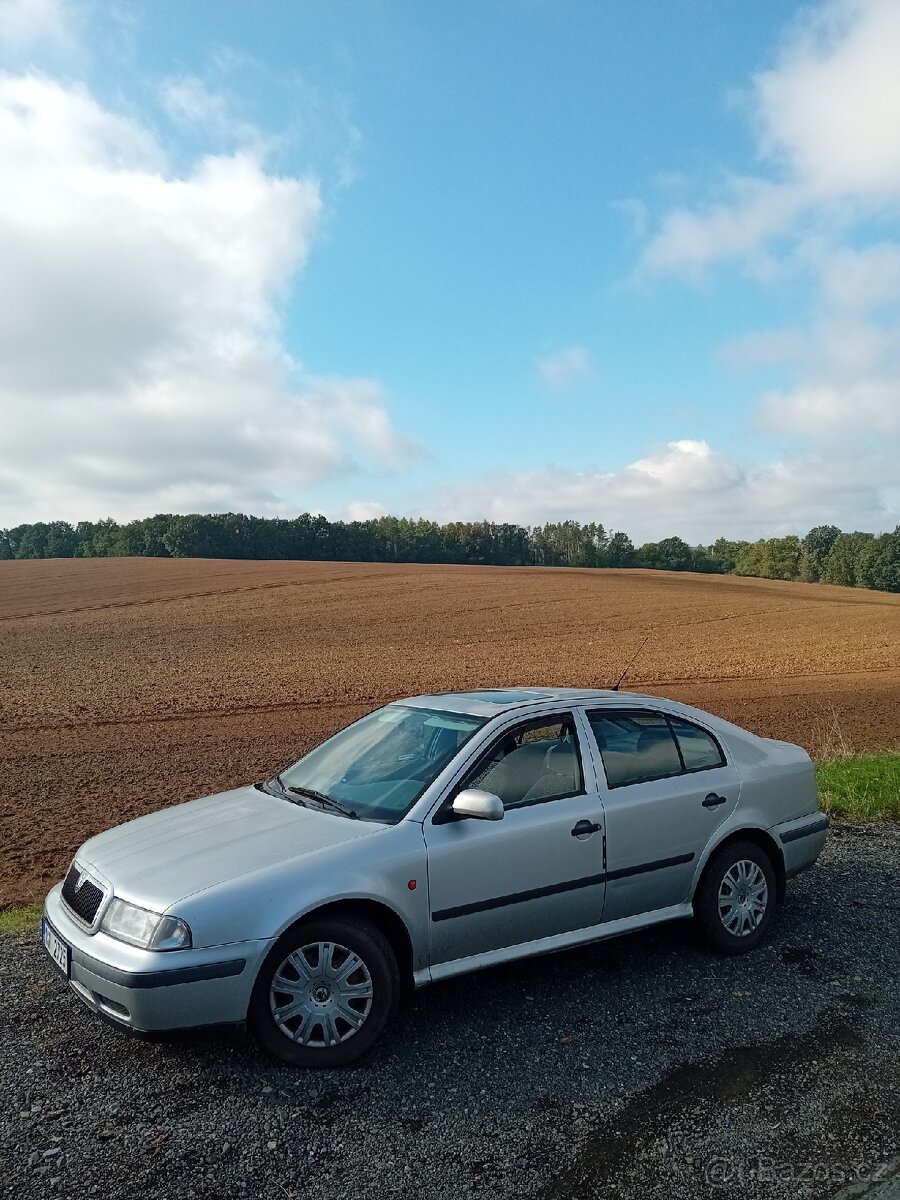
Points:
point(378, 767)
point(530, 764)
point(638, 747)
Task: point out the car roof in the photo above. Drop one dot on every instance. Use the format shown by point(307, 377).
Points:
point(490, 702)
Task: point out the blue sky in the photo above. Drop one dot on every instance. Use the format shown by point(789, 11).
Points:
point(629, 262)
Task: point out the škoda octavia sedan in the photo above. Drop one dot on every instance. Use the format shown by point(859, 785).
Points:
point(435, 836)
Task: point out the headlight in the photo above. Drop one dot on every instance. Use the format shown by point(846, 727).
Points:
point(140, 927)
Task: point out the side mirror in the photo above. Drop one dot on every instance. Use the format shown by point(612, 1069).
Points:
point(483, 806)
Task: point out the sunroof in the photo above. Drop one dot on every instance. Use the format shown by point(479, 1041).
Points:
point(503, 696)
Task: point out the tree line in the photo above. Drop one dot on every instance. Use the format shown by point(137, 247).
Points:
point(825, 554)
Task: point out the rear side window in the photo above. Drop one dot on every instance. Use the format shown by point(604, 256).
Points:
point(639, 747)
point(635, 748)
point(698, 749)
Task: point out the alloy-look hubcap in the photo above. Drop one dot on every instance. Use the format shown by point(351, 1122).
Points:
point(743, 897)
point(321, 994)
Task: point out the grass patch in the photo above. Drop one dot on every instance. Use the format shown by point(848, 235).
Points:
point(861, 787)
point(21, 920)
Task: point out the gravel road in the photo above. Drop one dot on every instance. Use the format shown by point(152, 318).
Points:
point(644, 1067)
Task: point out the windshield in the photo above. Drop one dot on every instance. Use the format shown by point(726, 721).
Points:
point(380, 766)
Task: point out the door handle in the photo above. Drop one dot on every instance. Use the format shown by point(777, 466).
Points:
point(585, 828)
point(712, 800)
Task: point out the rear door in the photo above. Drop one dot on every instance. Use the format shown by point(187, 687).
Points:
point(667, 786)
point(537, 872)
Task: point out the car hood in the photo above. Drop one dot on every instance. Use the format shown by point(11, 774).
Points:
point(162, 858)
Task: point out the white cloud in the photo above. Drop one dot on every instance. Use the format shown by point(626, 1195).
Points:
point(852, 335)
point(870, 404)
point(689, 489)
point(565, 367)
point(685, 466)
point(764, 347)
point(27, 24)
point(829, 110)
point(826, 118)
point(856, 279)
point(141, 360)
point(753, 211)
point(189, 100)
point(826, 122)
point(364, 510)
point(191, 103)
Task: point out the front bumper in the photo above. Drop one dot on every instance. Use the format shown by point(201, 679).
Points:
point(152, 990)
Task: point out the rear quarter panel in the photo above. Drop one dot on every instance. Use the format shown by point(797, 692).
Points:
point(778, 780)
point(778, 790)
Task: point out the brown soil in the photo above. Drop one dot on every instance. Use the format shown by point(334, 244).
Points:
point(129, 684)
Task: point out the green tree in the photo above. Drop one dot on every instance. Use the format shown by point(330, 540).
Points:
point(671, 554)
point(885, 569)
point(98, 539)
point(147, 537)
point(815, 548)
point(770, 558)
point(727, 552)
point(750, 559)
point(592, 546)
point(46, 539)
point(620, 551)
point(851, 560)
point(783, 557)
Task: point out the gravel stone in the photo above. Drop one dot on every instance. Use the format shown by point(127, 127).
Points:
point(642, 1067)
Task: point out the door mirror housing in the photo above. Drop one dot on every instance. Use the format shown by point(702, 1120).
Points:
point(483, 806)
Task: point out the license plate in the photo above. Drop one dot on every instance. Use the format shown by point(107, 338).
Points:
point(55, 947)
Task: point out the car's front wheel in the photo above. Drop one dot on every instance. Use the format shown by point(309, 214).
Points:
point(325, 992)
point(736, 897)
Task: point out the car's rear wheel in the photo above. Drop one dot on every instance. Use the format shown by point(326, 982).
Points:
point(325, 992)
point(736, 897)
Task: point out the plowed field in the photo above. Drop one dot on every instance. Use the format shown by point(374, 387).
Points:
point(128, 684)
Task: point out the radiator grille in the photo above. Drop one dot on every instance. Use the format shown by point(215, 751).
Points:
point(81, 895)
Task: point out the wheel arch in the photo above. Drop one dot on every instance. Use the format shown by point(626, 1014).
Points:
point(760, 837)
point(382, 916)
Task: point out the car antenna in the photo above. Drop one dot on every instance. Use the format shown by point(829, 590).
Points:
point(629, 664)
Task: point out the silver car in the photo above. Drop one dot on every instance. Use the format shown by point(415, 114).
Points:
point(435, 836)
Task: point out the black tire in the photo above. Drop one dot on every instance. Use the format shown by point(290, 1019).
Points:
point(373, 949)
point(707, 898)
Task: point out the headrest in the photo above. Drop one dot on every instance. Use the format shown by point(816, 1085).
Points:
point(653, 736)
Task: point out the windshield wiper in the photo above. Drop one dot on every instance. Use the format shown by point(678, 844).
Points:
point(277, 787)
point(325, 801)
point(268, 786)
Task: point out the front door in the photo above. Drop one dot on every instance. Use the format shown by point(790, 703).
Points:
point(537, 872)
